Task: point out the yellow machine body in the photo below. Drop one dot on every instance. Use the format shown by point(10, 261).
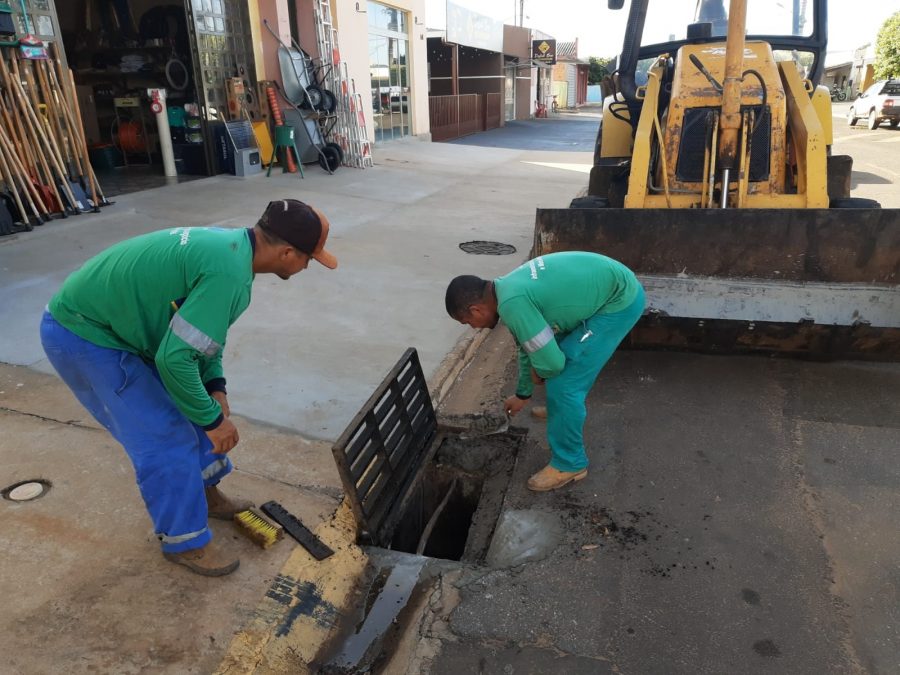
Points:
point(785, 260)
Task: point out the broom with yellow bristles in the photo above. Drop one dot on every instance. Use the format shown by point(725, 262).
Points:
point(257, 527)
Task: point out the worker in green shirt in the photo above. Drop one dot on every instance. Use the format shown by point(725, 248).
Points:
point(137, 334)
point(567, 312)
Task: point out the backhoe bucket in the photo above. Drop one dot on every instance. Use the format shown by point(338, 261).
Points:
point(818, 283)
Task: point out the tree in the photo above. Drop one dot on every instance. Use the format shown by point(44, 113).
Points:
point(600, 68)
point(887, 49)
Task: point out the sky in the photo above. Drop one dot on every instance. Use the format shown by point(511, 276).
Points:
point(851, 23)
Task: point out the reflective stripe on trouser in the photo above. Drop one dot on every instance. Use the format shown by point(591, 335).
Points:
point(172, 457)
point(566, 393)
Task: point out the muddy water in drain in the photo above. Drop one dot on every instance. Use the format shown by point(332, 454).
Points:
point(390, 602)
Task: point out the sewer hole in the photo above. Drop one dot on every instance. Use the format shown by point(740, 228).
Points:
point(487, 248)
point(436, 523)
point(451, 511)
point(26, 490)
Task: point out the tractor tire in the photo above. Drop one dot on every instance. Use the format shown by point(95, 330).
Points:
point(873, 121)
point(331, 157)
point(853, 203)
point(597, 142)
point(589, 202)
point(852, 119)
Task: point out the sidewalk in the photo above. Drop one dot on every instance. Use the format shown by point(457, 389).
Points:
point(84, 585)
point(308, 352)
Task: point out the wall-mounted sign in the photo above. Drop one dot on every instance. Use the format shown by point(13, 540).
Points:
point(544, 51)
point(465, 27)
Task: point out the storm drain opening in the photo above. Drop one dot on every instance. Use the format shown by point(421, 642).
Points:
point(425, 500)
point(26, 490)
point(453, 509)
point(414, 488)
point(436, 523)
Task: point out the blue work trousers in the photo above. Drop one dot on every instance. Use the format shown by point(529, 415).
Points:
point(587, 349)
point(172, 457)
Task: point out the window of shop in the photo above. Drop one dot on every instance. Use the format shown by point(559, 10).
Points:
point(389, 71)
point(194, 49)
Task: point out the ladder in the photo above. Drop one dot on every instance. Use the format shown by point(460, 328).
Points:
point(350, 130)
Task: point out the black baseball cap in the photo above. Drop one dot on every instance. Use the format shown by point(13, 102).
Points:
point(300, 225)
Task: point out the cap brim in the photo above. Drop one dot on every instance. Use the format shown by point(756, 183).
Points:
point(325, 258)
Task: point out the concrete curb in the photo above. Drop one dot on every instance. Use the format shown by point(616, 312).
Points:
point(304, 603)
point(302, 606)
point(440, 383)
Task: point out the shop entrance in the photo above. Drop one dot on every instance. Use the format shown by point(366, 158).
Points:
point(509, 92)
point(117, 49)
point(389, 71)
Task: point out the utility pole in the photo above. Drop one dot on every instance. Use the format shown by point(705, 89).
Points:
point(521, 12)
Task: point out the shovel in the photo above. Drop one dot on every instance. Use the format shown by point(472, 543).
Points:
point(487, 423)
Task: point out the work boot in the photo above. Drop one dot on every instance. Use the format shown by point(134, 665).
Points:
point(222, 507)
point(539, 412)
point(207, 561)
point(549, 478)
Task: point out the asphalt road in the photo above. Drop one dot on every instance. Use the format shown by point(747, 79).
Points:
point(876, 157)
point(739, 516)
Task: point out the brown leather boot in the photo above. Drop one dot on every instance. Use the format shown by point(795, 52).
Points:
point(207, 561)
point(222, 507)
point(549, 478)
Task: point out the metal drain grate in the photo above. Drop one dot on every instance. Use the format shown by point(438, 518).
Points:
point(487, 248)
point(379, 454)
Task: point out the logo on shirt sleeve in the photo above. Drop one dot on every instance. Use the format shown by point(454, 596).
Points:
point(185, 233)
point(535, 265)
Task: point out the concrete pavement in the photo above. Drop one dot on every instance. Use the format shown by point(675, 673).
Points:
point(308, 352)
point(84, 586)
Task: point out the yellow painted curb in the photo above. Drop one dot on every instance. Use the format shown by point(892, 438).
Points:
point(302, 606)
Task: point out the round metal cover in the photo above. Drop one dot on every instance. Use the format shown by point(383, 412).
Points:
point(26, 490)
point(487, 248)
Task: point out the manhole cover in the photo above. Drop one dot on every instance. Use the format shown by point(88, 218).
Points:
point(26, 490)
point(487, 248)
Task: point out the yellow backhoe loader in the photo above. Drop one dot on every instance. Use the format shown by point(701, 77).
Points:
point(714, 180)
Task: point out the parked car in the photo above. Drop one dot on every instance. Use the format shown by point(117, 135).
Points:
point(878, 103)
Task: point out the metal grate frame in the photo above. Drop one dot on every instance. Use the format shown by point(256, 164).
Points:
point(384, 448)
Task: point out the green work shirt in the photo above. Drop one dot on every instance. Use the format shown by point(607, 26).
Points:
point(551, 295)
point(169, 297)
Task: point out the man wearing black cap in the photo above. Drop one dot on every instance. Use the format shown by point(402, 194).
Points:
point(138, 333)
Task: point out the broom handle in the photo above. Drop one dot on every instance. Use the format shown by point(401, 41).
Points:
point(82, 136)
point(10, 183)
point(71, 95)
point(15, 151)
point(60, 119)
point(32, 116)
point(42, 120)
point(28, 131)
point(17, 132)
point(43, 125)
point(18, 169)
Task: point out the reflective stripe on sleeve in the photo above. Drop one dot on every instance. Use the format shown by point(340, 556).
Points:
point(195, 337)
point(540, 340)
point(214, 468)
point(166, 539)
